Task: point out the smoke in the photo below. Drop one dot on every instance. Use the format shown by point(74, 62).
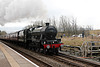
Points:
point(11, 10)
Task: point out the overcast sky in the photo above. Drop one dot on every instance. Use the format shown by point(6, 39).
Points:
point(87, 12)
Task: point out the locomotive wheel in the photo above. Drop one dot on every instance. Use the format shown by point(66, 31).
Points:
point(44, 51)
point(33, 48)
point(59, 49)
point(26, 46)
point(37, 49)
point(56, 51)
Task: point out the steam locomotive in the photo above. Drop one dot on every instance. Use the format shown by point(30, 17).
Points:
point(40, 39)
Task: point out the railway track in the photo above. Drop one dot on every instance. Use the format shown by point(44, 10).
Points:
point(67, 62)
point(38, 58)
point(73, 61)
point(60, 60)
point(83, 62)
point(28, 55)
point(32, 58)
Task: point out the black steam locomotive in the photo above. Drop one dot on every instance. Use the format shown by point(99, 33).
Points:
point(40, 38)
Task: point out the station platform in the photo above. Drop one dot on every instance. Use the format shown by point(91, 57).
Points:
point(11, 58)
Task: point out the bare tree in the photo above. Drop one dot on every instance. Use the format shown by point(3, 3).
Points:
point(2, 32)
point(65, 25)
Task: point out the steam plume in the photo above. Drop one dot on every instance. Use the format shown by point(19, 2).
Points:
point(11, 10)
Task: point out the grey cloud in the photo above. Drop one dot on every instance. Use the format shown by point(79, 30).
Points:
point(11, 10)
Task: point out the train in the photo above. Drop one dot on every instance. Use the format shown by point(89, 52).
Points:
point(39, 38)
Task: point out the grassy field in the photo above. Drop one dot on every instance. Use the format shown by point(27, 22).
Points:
point(96, 32)
point(76, 41)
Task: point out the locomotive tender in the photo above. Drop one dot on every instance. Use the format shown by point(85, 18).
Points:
point(40, 38)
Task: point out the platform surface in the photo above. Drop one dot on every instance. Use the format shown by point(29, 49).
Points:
point(11, 58)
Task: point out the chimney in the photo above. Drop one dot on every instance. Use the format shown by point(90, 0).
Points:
point(47, 24)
